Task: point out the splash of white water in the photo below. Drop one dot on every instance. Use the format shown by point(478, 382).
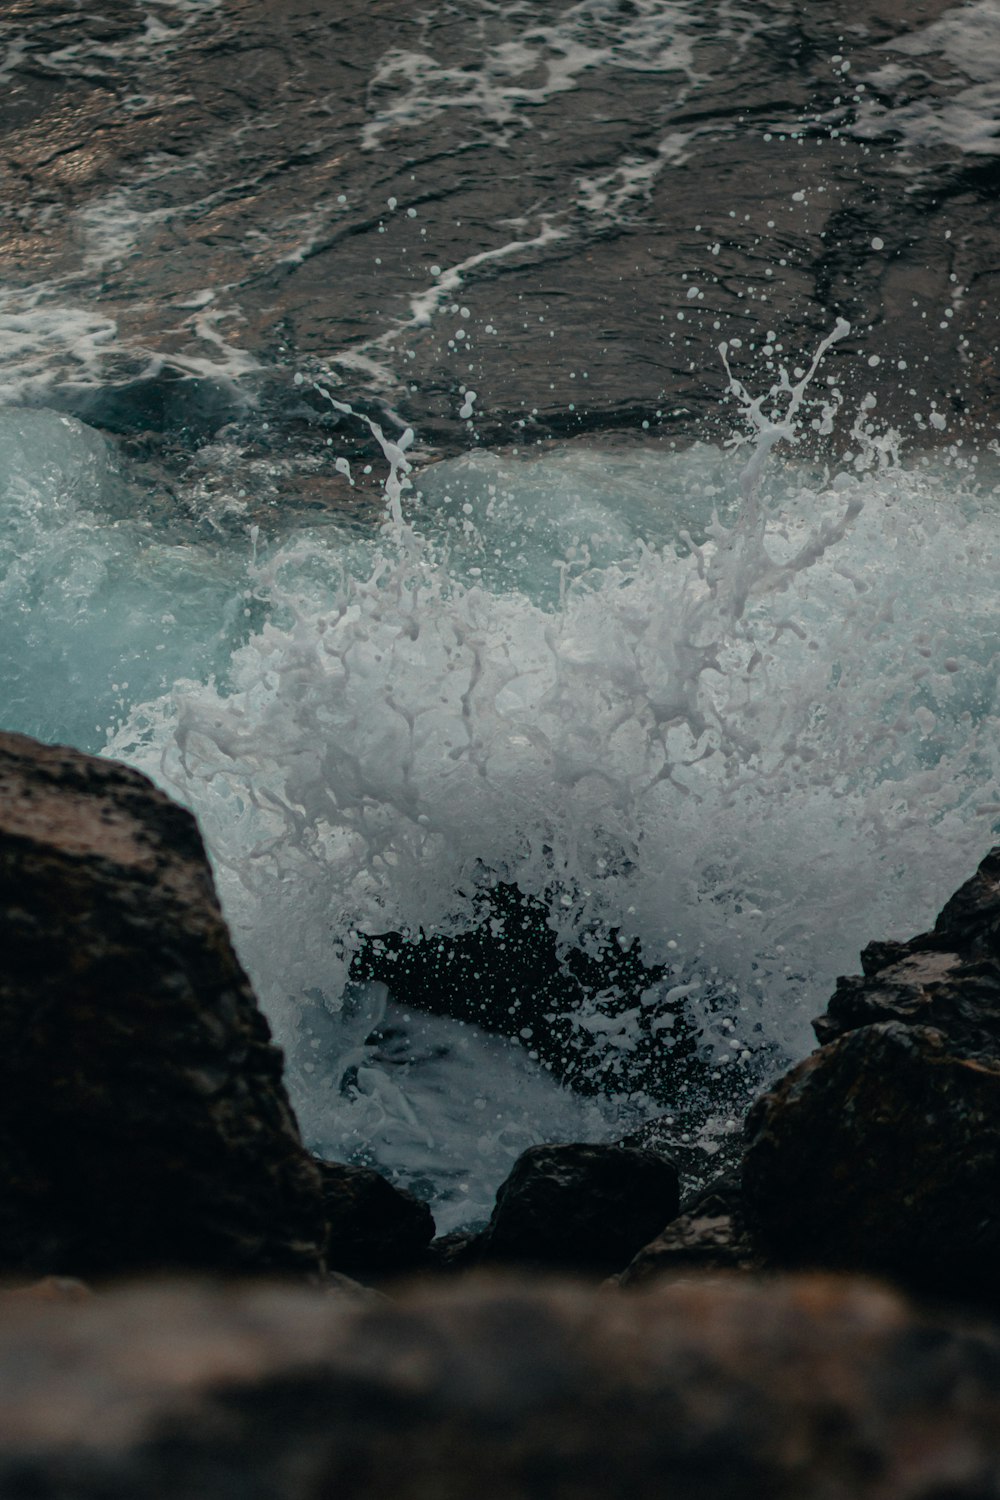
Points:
point(752, 742)
point(746, 714)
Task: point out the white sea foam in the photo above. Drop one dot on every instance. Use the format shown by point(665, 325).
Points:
point(732, 715)
point(718, 750)
point(967, 35)
point(746, 714)
point(47, 336)
point(163, 23)
point(965, 113)
point(608, 195)
point(39, 338)
point(540, 61)
point(444, 1108)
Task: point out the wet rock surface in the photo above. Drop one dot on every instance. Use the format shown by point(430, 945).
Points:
point(797, 1387)
point(882, 1149)
point(565, 214)
point(576, 1207)
point(143, 1118)
point(373, 1226)
point(948, 978)
point(143, 1122)
point(710, 1234)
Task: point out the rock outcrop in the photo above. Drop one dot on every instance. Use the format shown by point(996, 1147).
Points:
point(143, 1118)
point(881, 1150)
point(708, 1235)
point(948, 978)
point(579, 1207)
point(374, 1227)
point(723, 1390)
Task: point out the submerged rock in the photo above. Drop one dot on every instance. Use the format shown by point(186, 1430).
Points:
point(804, 1387)
point(143, 1118)
point(596, 1015)
point(580, 1207)
point(881, 1150)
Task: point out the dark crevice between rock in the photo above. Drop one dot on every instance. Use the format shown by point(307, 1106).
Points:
point(507, 974)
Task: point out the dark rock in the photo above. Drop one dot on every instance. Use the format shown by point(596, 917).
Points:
point(458, 1251)
point(948, 978)
point(169, 401)
point(374, 1226)
point(881, 1151)
point(580, 1207)
point(143, 1120)
point(710, 1234)
point(724, 1390)
point(970, 920)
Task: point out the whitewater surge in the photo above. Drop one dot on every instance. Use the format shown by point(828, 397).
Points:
point(737, 708)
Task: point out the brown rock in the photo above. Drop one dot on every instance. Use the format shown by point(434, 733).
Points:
point(948, 978)
point(709, 1235)
point(802, 1389)
point(881, 1151)
point(143, 1120)
point(293, 220)
point(49, 1289)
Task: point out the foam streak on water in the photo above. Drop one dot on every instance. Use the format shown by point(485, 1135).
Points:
point(411, 86)
point(964, 113)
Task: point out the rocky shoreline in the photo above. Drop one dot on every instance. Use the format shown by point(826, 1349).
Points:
point(145, 1131)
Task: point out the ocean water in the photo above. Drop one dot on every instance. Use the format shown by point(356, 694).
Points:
point(738, 708)
point(728, 709)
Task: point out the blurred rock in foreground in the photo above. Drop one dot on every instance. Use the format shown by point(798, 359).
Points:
point(799, 1388)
